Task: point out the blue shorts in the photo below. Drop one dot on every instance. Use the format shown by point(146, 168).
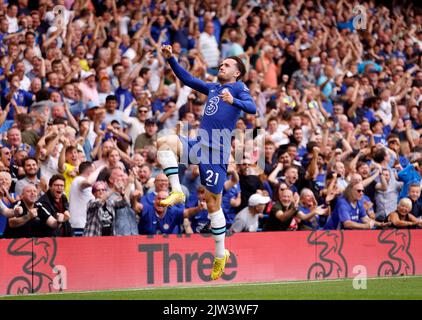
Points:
point(212, 167)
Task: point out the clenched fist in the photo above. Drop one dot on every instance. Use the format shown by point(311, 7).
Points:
point(167, 51)
point(226, 96)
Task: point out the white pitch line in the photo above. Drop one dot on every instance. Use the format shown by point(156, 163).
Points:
point(211, 286)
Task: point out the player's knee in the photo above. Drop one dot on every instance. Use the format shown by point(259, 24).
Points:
point(213, 204)
point(162, 143)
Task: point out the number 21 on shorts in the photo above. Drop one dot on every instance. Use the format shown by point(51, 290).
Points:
point(209, 179)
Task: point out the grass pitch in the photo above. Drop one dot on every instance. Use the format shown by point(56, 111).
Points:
point(409, 288)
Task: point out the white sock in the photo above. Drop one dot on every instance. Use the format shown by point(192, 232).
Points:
point(218, 229)
point(168, 162)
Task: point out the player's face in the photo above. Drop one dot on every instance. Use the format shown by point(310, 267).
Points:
point(228, 71)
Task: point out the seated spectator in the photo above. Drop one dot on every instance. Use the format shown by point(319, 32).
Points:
point(156, 219)
point(283, 212)
point(53, 209)
point(350, 213)
point(246, 220)
point(402, 218)
point(313, 216)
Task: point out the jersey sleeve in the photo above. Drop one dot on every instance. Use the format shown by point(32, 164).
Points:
point(28, 98)
point(188, 79)
point(244, 100)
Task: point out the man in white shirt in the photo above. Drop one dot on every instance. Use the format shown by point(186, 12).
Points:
point(11, 16)
point(247, 219)
point(208, 47)
point(136, 124)
point(80, 194)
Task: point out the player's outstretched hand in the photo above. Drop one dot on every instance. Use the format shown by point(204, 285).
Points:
point(226, 96)
point(166, 51)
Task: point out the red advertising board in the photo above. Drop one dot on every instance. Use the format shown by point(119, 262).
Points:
point(78, 264)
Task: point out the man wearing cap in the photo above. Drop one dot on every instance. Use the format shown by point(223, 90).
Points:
point(88, 87)
point(247, 219)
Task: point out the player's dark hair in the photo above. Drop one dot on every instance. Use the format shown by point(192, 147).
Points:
point(240, 66)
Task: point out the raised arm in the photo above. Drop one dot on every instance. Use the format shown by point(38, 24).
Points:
point(182, 74)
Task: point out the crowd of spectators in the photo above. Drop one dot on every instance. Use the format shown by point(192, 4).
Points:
point(85, 92)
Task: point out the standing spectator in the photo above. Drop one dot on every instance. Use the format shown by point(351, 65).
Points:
point(30, 166)
point(386, 195)
point(125, 221)
point(25, 223)
point(268, 68)
point(303, 78)
point(136, 124)
point(88, 87)
point(208, 47)
point(100, 215)
point(80, 194)
point(111, 110)
point(149, 137)
point(53, 209)
point(68, 163)
point(11, 16)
